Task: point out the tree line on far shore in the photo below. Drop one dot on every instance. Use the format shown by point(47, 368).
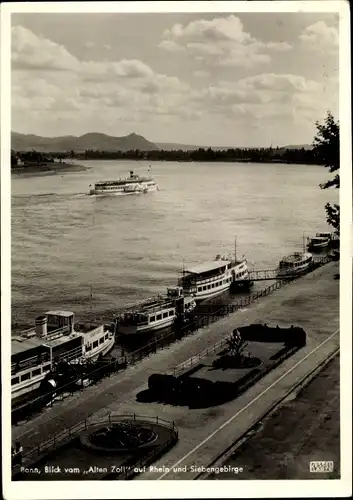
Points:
point(253, 155)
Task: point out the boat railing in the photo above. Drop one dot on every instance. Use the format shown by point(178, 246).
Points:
point(142, 323)
point(127, 180)
point(59, 332)
point(195, 280)
point(319, 239)
point(153, 303)
point(292, 257)
point(33, 361)
point(71, 355)
point(132, 321)
point(28, 330)
point(89, 330)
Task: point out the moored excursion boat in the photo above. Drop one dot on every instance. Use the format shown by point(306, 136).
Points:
point(321, 240)
point(155, 313)
point(134, 184)
point(54, 339)
point(212, 278)
point(295, 264)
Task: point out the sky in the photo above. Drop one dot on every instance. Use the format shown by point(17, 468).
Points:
point(207, 79)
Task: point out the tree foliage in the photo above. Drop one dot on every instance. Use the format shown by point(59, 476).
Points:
point(246, 155)
point(326, 148)
point(14, 160)
point(236, 344)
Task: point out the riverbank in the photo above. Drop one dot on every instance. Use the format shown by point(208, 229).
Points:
point(49, 168)
point(210, 160)
point(311, 302)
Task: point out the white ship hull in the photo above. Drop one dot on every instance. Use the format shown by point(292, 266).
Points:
point(154, 313)
point(102, 350)
point(34, 383)
point(293, 272)
point(144, 329)
point(318, 246)
point(27, 387)
point(295, 264)
point(121, 191)
point(202, 289)
point(207, 294)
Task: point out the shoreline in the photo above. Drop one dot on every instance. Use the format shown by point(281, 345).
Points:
point(189, 160)
point(48, 168)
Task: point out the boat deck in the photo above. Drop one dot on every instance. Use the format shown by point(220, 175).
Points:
point(150, 304)
point(297, 257)
point(123, 182)
point(21, 344)
point(206, 267)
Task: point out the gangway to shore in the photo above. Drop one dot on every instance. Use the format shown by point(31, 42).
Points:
point(266, 274)
point(272, 274)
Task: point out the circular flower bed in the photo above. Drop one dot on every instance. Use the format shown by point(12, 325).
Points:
point(124, 436)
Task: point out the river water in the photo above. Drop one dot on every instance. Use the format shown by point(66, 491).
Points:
point(126, 248)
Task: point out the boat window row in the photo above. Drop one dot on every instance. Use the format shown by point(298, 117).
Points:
point(213, 285)
point(33, 361)
point(240, 275)
point(67, 356)
point(284, 265)
point(30, 374)
point(300, 264)
point(165, 314)
point(95, 344)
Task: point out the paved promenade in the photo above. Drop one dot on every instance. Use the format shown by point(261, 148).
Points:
point(311, 302)
point(304, 429)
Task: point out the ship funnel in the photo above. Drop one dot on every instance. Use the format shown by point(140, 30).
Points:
point(41, 326)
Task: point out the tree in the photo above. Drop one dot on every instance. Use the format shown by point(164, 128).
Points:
point(236, 344)
point(326, 148)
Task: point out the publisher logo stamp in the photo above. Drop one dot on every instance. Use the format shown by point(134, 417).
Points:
point(321, 466)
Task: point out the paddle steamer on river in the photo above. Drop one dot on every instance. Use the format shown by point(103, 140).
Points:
point(134, 184)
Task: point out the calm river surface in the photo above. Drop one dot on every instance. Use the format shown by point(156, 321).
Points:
point(131, 247)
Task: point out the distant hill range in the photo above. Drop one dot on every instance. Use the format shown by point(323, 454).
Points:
point(103, 142)
point(170, 146)
point(173, 146)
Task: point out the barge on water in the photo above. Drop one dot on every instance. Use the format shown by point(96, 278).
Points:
point(54, 339)
point(155, 313)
